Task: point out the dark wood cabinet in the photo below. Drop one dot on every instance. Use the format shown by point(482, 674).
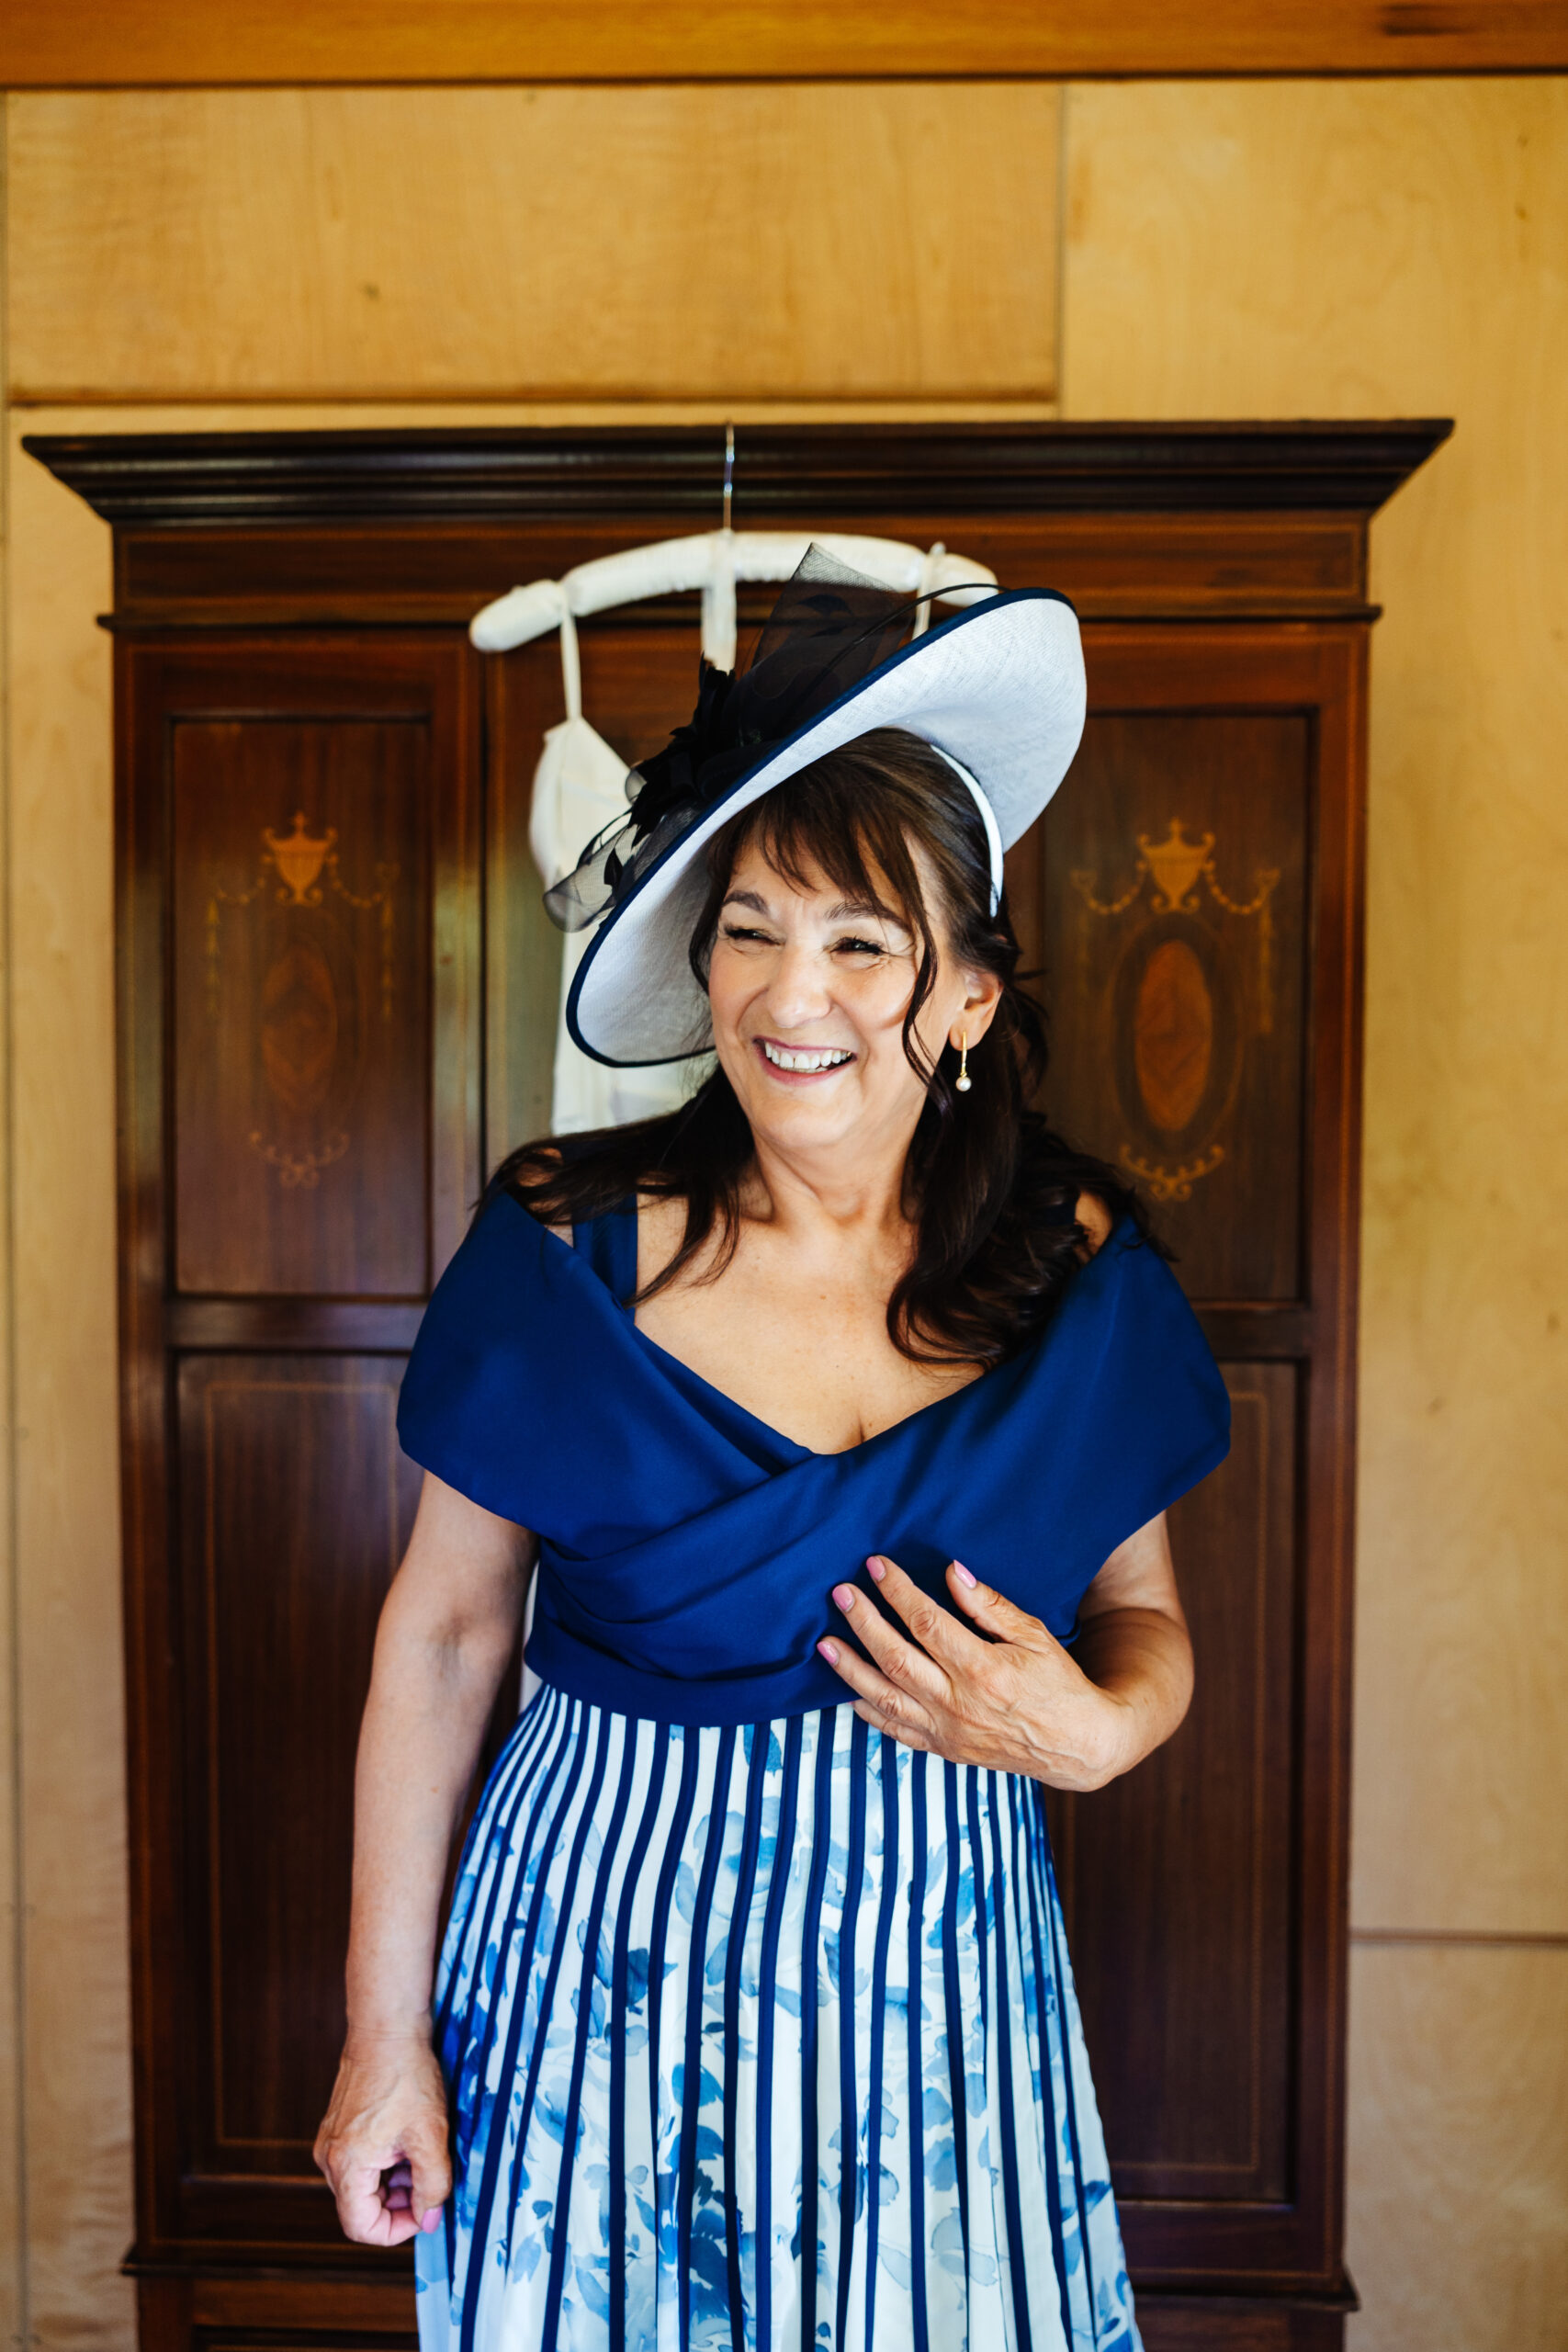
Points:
point(337, 1008)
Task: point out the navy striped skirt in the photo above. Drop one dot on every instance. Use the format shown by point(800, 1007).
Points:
point(763, 2037)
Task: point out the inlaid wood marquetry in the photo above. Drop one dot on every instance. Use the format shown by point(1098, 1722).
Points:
point(1174, 881)
point(302, 1060)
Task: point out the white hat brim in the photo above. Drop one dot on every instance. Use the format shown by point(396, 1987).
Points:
point(1000, 687)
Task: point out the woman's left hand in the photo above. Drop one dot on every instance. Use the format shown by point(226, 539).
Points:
point(1015, 1701)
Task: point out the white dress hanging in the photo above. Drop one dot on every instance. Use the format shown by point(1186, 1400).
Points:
point(580, 783)
point(580, 786)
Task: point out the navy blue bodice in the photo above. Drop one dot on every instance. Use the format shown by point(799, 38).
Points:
point(688, 1551)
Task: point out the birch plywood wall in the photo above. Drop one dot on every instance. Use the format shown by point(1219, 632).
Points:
point(1332, 250)
point(1228, 250)
point(875, 243)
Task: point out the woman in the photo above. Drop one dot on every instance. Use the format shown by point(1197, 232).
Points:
point(832, 1409)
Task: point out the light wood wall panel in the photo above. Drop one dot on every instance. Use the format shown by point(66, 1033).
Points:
point(1459, 2160)
point(866, 241)
point(76, 2002)
point(1365, 249)
point(13, 2250)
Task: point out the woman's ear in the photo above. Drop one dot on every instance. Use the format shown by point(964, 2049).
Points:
point(983, 994)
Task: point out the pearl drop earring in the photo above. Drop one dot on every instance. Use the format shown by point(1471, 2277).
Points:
point(963, 1081)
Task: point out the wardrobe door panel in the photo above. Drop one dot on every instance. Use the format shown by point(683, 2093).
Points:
point(1176, 1879)
point(1173, 870)
point(1202, 1039)
point(302, 952)
point(301, 881)
point(298, 1505)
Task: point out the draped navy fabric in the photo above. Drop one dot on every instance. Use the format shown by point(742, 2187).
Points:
point(688, 1551)
point(758, 2028)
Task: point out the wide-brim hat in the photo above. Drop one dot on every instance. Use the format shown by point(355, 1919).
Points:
point(999, 689)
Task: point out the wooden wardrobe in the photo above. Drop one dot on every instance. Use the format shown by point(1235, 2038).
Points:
point(337, 1008)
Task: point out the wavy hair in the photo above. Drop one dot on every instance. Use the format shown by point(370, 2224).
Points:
point(989, 1186)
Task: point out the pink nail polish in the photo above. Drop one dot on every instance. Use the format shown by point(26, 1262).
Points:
point(878, 1567)
point(829, 1652)
point(844, 1596)
point(964, 1575)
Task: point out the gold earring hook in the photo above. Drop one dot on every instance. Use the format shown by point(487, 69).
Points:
point(963, 1082)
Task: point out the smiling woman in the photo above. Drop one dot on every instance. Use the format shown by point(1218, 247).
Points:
point(839, 1412)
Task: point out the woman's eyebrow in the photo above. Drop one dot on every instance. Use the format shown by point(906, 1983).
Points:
point(753, 899)
point(856, 909)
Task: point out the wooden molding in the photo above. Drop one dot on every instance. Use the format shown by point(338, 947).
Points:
point(159, 481)
point(141, 43)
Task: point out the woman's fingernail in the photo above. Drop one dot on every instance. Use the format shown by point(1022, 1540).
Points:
point(964, 1575)
point(878, 1567)
point(829, 1652)
point(844, 1596)
point(431, 2220)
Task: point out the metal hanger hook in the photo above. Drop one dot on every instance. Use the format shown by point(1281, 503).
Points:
point(729, 471)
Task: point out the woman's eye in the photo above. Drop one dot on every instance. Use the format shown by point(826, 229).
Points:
point(739, 930)
point(861, 947)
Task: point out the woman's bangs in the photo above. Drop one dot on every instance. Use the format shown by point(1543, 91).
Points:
point(819, 825)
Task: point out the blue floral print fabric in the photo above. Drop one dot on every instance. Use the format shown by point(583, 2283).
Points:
point(762, 2036)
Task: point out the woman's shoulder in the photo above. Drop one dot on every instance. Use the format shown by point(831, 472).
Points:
point(529, 1184)
point(1094, 1220)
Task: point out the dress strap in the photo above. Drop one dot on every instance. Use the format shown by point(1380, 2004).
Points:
point(609, 1244)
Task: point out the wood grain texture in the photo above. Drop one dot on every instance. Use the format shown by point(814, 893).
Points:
point(300, 1507)
point(1183, 1947)
point(248, 1661)
point(1458, 2158)
point(623, 477)
point(13, 2223)
point(861, 242)
point(1345, 250)
point(77, 2151)
point(72, 2014)
point(173, 41)
point(1163, 811)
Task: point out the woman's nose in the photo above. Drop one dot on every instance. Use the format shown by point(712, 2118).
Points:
point(798, 989)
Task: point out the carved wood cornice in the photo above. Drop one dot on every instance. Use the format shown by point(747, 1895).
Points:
point(524, 474)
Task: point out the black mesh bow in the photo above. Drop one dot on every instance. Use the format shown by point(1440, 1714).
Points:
point(829, 629)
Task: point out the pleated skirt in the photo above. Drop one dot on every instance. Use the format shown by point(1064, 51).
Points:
point(763, 2037)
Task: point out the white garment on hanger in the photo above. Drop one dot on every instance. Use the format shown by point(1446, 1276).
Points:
point(580, 786)
point(580, 783)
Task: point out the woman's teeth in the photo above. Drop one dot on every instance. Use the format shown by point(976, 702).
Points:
point(824, 1057)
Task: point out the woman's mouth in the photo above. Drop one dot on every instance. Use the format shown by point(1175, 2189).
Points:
point(803, 1061)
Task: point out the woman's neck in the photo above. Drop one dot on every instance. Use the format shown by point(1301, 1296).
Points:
point(846, 1193)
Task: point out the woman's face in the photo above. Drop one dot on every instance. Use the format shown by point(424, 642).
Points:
point(808, 991)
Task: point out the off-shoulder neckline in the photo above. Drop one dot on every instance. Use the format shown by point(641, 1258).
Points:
point(679, 1373)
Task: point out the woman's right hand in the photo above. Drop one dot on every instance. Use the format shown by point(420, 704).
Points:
point(383, 2141)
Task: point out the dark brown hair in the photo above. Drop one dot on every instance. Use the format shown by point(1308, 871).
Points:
point(990, 1188)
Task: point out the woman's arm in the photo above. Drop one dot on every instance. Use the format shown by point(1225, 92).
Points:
point(447, 1629)
point(1018, 1700)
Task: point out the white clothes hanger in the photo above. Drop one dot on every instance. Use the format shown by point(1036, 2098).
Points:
point(716, 562)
